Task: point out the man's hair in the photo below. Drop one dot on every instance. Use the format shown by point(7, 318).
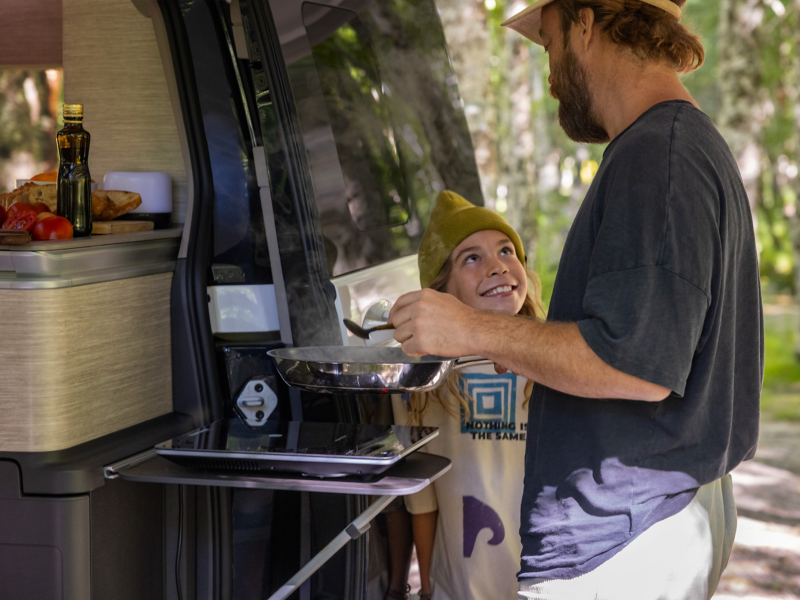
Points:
point(650, 32)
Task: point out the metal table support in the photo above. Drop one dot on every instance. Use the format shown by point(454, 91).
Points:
point(353, 531)
point(409, 476)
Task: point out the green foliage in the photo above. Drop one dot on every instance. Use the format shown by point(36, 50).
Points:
point(23, 130)
point(781, 397)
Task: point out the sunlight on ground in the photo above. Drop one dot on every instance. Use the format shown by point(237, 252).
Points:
point(765, 563)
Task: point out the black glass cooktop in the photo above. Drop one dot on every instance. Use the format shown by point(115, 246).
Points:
point(318, 449)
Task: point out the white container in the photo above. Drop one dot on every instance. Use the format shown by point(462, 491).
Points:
point(154, 187)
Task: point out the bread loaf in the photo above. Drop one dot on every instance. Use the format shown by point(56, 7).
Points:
point(18, 195)
point(44, 193)
point(106, 204)
point(110, 204)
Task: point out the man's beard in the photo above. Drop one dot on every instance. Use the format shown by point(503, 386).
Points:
point(576, 112)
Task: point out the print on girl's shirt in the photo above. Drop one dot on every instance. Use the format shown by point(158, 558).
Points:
point(492, 405)
point(478, 516)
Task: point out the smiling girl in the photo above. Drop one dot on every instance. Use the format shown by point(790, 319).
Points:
point(466, 525)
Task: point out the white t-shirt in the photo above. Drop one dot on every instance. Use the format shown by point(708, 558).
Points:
point(477, 549)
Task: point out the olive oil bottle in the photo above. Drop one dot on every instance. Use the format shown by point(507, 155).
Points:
point(74, 181)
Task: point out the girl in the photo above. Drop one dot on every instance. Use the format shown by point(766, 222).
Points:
point(466, 524)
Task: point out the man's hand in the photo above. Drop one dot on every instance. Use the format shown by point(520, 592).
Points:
point(429, 322)
point(553, 354)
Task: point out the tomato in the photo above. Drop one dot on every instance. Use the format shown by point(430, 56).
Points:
point(53, 228)
point(17, 206)
point(21, 219)
point(41, 207)
point(44, 215)
point(2, 213)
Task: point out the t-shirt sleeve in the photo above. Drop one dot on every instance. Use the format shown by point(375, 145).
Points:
point(645, 322)
point(652, 263)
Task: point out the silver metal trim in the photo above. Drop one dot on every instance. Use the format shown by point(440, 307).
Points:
point(275, 265)
point(260, 163)
point(60, 266)
point(268, 457)
point(113, 470)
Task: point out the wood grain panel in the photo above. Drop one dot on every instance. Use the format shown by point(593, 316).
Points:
point(83, 362)
point(30, 34)
point(112, 66)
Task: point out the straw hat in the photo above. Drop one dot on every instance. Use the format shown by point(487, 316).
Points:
point(528, 22)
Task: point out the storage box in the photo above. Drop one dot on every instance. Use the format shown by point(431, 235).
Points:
point(81, 361)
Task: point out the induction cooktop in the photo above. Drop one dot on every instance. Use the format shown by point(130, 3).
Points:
point(314, 449)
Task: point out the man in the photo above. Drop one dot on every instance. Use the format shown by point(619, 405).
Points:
point(648, 370)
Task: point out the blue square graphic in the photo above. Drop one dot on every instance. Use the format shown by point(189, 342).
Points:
point(491, 399)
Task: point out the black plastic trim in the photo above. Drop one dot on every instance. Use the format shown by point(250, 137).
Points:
point(198, 383)
point(79, 469)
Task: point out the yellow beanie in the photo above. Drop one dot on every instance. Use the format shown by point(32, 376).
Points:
point(453, 220)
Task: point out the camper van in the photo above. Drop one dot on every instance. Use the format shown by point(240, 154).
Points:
point(305, 143)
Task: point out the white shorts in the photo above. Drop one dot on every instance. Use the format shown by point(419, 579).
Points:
point(679, 558)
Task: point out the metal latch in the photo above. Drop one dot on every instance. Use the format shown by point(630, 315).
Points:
point(256, 401)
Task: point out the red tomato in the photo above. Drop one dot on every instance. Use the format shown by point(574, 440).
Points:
point(2, 213)
point(17, 206)
point(41, 207)
point(21, 219)
point(53, 228)
point(44, 215)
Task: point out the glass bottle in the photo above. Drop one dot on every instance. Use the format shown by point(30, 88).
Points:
point(74, 181)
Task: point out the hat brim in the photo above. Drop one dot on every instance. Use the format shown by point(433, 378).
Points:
point(528, 22)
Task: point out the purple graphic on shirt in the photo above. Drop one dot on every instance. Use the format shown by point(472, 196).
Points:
point(477, 516)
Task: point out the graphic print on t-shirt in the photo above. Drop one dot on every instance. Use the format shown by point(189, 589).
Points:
point(492, 403)
point(478, 516)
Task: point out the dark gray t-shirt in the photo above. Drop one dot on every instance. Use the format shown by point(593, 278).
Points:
point(660, 272)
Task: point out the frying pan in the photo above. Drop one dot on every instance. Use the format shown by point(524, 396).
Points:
point(366, 370)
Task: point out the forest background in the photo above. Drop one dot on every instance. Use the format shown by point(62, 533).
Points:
point(533, 174)
point(749, 86)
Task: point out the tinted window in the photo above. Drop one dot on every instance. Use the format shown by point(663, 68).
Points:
point(359, 110)
point(381, 121)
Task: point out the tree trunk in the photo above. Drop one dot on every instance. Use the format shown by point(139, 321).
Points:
point(741, 117)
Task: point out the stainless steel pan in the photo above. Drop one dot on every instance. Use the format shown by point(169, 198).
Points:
point(368, 370)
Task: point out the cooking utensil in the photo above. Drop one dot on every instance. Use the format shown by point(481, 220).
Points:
point(316, 449)
point(367, 370)
point(359, 331)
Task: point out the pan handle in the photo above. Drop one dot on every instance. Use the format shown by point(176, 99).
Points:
point(470, 361)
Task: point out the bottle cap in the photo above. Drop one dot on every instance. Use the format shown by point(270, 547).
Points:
point(73, 111)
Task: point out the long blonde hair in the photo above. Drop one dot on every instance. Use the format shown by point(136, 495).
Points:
point(532, 308)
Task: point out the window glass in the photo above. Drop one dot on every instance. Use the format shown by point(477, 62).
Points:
point(381, 121)
point(360, 115)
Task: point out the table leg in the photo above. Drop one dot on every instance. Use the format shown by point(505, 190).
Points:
point(353, 531)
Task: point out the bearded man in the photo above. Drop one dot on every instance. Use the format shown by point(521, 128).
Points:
point(648, 370)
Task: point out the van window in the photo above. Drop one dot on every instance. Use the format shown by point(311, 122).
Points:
point(381, 119)
point(360, 112)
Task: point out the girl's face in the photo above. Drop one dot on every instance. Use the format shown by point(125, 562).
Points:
point(487, 274)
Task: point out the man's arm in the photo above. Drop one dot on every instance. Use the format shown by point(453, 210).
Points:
point(553, 354)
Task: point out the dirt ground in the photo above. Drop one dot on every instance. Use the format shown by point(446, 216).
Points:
point(765, 562)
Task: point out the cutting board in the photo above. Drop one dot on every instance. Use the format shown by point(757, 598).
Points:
point(12, 237)
point(106, 227)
